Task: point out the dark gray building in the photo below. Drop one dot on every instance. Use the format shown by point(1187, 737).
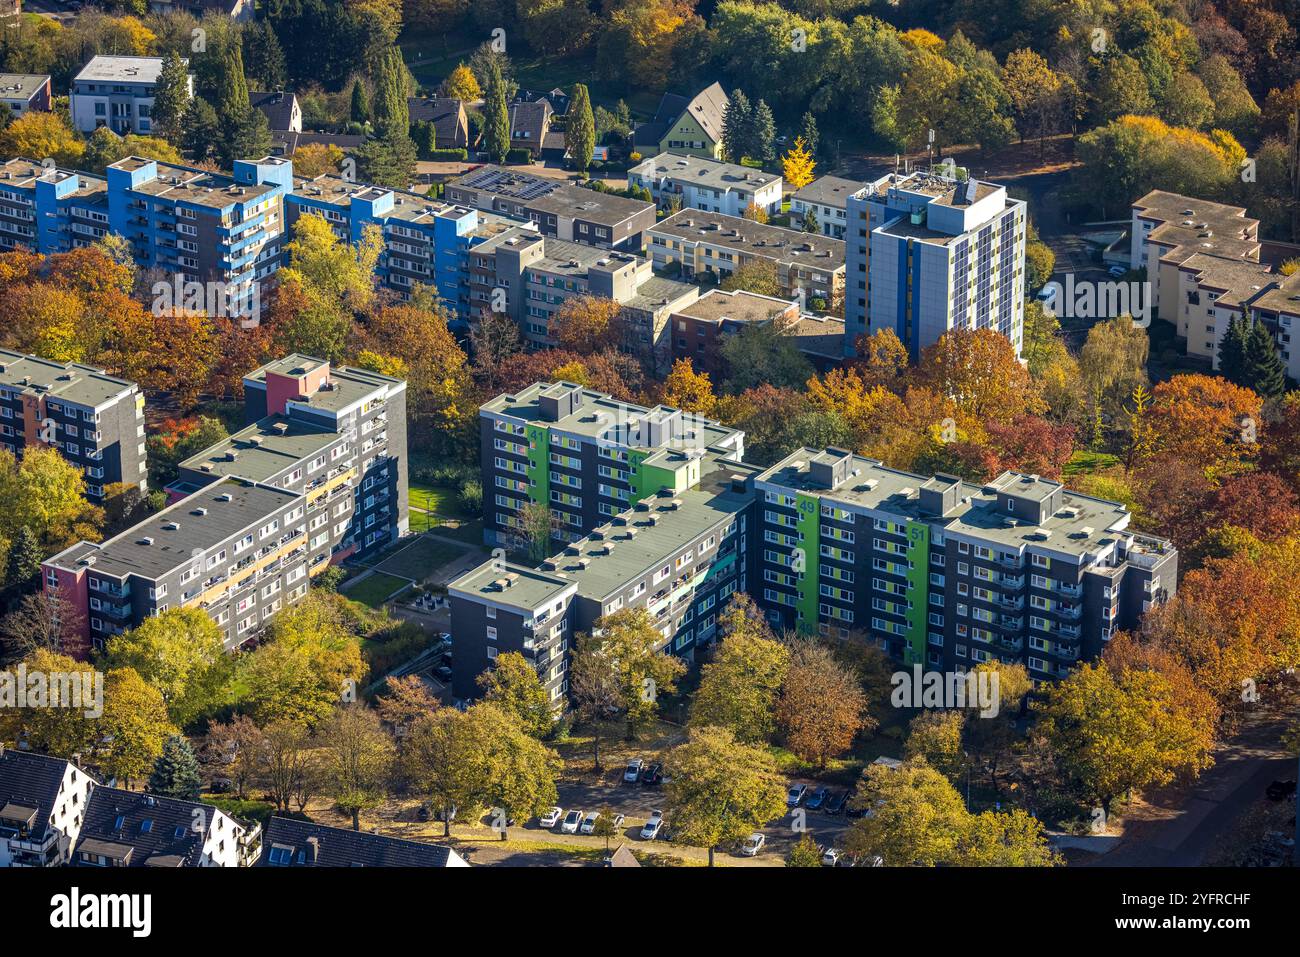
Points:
point(946, 574)
point(95, 420)
point(587, 456)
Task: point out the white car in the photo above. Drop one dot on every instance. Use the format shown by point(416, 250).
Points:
point(753, 844)
point(653, 826)
point(633, 772)
point(589, 822)
point(831, 858)
point(571, 822)
point(550, 818)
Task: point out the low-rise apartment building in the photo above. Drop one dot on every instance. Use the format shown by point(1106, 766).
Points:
point(529, 277)
point(709, 185)
point(826, 198)
point(713, 246)
point(95, 420)
point(117, 92)
point(927, 253)
point(698, 330)
point(43, 803)
point(586, 456)
point(946, 574)
point(25, 92)
point(678, 551)
point(560, 209)
point(293, 843)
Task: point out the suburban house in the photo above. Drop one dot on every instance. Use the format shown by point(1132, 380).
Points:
point(293, 843)
point(447, 114)
point(24, 92)
point(558, 98)
point(134, 829)
point(707, 185)
point(691, 125)
point(42, 806)
point(711, 245)
point(282, 110)
point(826, 198)
point(529, 124)
point(117, 92)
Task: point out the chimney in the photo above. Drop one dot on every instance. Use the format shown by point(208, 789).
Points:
point(314, 843)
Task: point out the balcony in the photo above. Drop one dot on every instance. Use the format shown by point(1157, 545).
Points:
point(1015, 604)
point(1013, 582)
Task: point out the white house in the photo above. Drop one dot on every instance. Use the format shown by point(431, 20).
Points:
point(706, 184)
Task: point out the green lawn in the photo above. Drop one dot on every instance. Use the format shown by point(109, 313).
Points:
point(419, 559)
point(1087, 463)
point(375, 588)
point(442, 502)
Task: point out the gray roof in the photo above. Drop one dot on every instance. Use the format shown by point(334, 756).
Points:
point(756, 239)
point(276, 105)
point(21, 86)
point(307, 844)
point(122, 69)
point(264, 449)
point(707, 107)
point(582, 203)
point(829, 191)
point(736, 305)
point(1081, 525)
point(29, 788)
point(501, 181)
point(349, 384)
point(529, 122)
point(153, 548)
point(702, 171)
point(66, 381)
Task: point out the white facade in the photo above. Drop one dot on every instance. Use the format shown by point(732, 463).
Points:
point(117, 92)
point(706, 184)
point(63, 826)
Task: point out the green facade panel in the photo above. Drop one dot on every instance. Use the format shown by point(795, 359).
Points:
point(918, 591)
point(809, 527)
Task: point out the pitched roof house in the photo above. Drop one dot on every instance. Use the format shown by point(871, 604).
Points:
point(281, 109)
point(294, 843)
point(450, 122)
point(131, 829)
point(42, 804)
point(685, 125)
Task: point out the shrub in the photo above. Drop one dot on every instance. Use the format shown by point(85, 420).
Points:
point(448, 155)
point(471, 497)
point(519, 156)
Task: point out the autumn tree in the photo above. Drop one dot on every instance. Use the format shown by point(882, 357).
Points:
point(587, 324)
point(135, 726)
point(689, 390)
point(290, 768)
point(1114, 734)
point(720, 790)
point(513, 686)
point(738, 690)
point(357, 756)
point(461, 84)
point(798, 165)
point(822, 707)
point(1205, 419)
point(594, 689)
point(236, 749)
point(631, 641)
point(181, 652)
point(315, 159)
point(936, 738)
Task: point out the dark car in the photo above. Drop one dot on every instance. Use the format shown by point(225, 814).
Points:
point(443, 673)
point(850, 810)
point(653, 775)
point(1280, 790)
point(835, 803)
point(818, 800)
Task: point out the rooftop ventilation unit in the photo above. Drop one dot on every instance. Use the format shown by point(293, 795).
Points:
point(199, 511)
point(173, 526)
point(224, 497)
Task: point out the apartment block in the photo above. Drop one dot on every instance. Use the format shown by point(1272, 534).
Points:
point(529, 277)
point(707, 184)
point(95, 420)
point(678, 551)
point(560, 209)
point(235, 549)
point(826, 199)
point(42, 806)
point(117, 92)
point(587, 456)
point(713, 246)
point(927, 253)
point(1168, 229)
point(25, 92)
point(426, 243)
point(946, 574)
point(50, 210)
point(699, 329)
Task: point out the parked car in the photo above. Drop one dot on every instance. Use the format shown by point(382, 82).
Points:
point(818, 799)
point(589, 822)
point(633, 772)
point(835, 803)
point(795, 797)
point(550, 818)
point(753, 844)
point(221, 785)
point(831, 857)
point(653, 775)
point(443, 673)
point(571, 822)
point(1116, 271)
point(1280, 790)
point(653, 826)
point(617, 824)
